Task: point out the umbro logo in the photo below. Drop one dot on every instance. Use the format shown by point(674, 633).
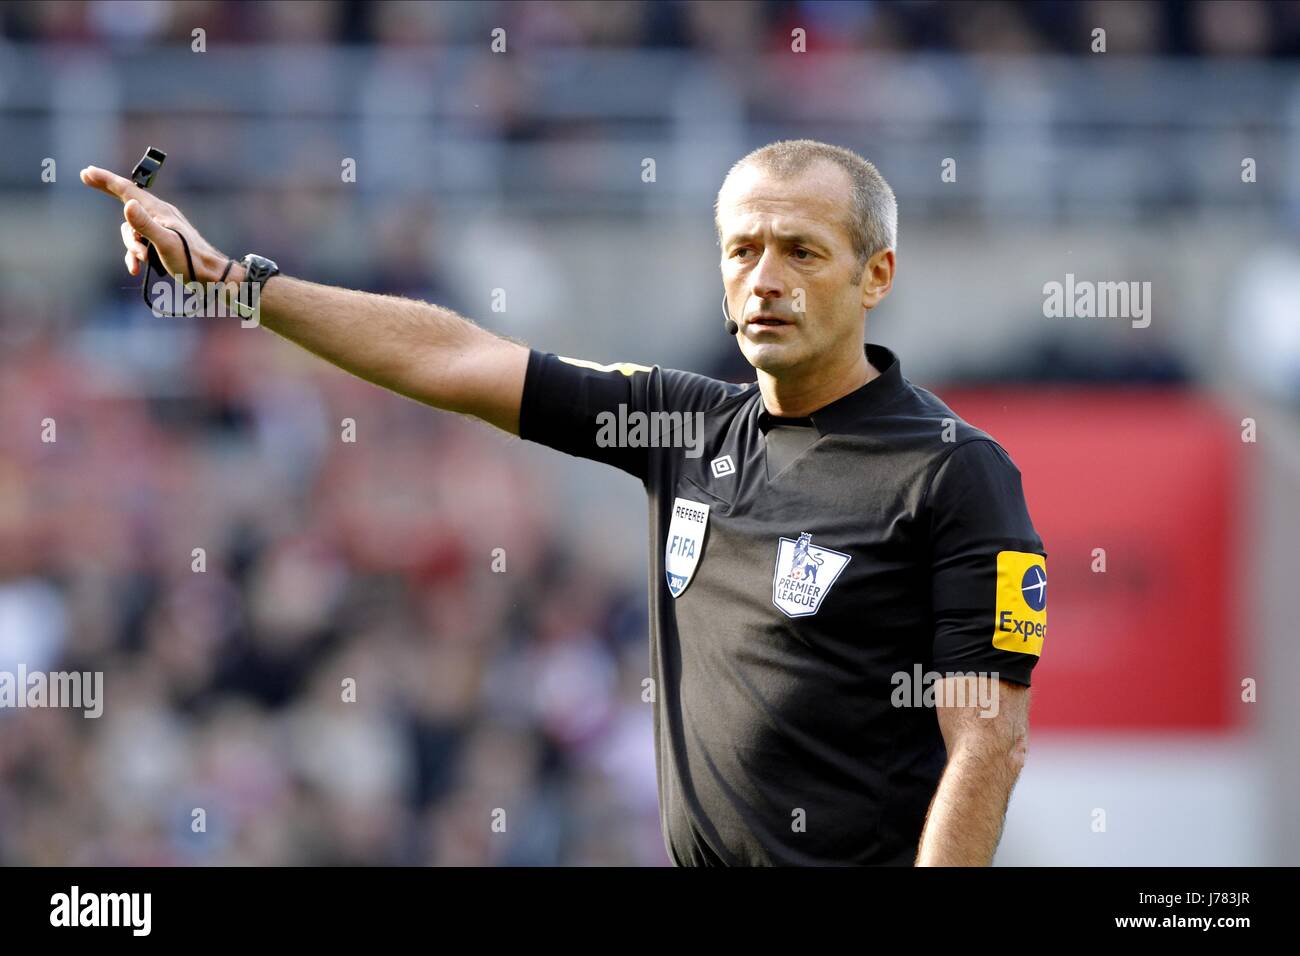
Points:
point(723, 466)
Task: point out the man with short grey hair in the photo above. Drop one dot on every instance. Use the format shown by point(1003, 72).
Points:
point(847, 595)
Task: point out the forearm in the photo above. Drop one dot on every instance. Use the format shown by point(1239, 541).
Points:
point(964, 823)
point(423, 351)
point(414, 348)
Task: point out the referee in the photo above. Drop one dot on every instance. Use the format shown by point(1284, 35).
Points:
point(847, 595)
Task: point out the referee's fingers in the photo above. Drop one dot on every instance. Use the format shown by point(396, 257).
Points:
point(157, 231)
point(131, 239)
point(110, 183)
point(146, 225)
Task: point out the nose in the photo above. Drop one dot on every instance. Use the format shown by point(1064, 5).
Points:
point(767, 280)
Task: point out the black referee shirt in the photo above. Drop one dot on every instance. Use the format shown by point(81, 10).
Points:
point(804, 575)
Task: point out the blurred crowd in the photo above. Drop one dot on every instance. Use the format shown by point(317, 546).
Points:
point(349, 671)
point(344, 673)
point(1200, 27)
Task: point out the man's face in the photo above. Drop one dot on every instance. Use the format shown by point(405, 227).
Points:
point(787, 253)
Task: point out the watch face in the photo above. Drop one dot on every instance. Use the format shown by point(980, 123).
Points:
point(261, 268)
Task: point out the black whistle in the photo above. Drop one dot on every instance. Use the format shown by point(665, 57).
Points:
point(143, 176)
point(148, 167)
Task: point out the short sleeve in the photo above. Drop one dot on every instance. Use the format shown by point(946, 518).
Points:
point(591, 411)
point(988, 566)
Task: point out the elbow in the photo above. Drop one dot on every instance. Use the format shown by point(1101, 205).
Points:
point(1018, 753)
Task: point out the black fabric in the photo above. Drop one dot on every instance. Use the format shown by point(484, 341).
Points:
point(785, 443)
point(763, 719)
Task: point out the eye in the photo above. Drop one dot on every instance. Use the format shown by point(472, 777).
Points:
point(739, 251)
point(808, 255)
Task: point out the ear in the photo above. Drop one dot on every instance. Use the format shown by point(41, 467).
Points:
point(877, 278)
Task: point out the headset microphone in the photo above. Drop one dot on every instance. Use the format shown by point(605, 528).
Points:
point(730, 323)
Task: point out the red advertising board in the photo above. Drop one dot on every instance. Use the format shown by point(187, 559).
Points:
point(1146, 481)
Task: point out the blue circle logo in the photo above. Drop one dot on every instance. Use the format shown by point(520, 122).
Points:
point(1034, 587)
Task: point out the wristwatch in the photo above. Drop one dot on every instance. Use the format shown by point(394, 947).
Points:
point(257, 271)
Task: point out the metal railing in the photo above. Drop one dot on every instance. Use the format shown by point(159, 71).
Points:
point(1033, 137)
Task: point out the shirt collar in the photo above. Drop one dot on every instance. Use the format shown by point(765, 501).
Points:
point(844, 413)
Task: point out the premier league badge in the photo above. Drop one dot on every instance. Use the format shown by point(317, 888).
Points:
point(685, 543)
point(804, 575)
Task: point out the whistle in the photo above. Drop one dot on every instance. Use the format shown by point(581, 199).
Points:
point(143, 176)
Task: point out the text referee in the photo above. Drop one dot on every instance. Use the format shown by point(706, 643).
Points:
point(824, 545)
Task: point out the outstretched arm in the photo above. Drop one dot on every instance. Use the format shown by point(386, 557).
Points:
point(419, 350)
